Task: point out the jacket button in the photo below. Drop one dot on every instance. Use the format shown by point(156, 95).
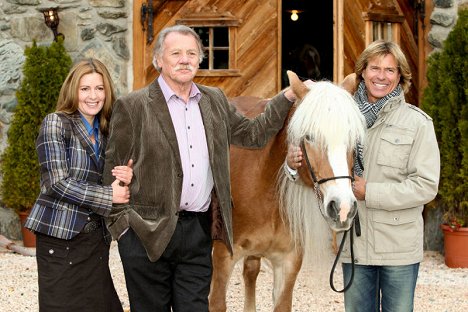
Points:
point(51, 251)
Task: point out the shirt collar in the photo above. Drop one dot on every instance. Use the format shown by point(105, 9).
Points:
point(91, 129)
point(169, 93)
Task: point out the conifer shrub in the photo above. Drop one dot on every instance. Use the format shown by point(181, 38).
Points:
point(445, 99)
point(44, 71)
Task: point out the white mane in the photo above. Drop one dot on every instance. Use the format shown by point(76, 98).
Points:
point(329, 115)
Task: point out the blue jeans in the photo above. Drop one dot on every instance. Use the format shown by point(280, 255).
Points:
point(389, 287)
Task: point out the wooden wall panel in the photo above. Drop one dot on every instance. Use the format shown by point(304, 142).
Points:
point(354, 34)
point(258, 38)
point(409, 45)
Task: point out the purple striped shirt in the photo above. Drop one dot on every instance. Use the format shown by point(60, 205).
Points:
point(193, 149)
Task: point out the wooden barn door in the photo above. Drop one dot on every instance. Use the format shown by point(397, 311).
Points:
point(404, 21)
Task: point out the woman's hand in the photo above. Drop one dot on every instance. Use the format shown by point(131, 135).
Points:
point(124, 173)
point(294, 157)
point(120, 193)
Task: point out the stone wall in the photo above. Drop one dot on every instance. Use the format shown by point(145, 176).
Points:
point(443, 18)
point(92, 28)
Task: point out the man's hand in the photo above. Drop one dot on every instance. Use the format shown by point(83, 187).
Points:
point(359, 188)
point(294, 157)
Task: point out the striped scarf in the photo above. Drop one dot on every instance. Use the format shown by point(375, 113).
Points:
point(370, 112)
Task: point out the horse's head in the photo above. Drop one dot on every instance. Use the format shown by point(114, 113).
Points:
point(328, 125)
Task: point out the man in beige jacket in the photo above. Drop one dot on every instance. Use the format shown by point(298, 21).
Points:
point(401, 174)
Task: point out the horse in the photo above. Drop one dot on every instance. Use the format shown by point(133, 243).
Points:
point(288, 223)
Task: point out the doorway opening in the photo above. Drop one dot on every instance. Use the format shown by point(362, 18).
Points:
point(307, 43)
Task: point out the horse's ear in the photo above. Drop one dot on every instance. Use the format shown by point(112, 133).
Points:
point(349, 83)
point(298, 87)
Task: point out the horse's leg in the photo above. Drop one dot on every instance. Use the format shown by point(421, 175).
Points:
point(251, 269)
point(285, 270)
point(223, 264)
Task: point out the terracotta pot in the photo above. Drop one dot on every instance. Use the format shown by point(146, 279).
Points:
point(29, 238)
point(455, 246)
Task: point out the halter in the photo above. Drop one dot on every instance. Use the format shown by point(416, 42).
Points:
point(311, 170)
point(318, 194)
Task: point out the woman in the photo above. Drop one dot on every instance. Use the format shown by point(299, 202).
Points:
point(72, 240)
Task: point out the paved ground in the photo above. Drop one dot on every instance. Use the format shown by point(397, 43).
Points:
point(439, 288)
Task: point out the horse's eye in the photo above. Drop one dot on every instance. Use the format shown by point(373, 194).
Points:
point(309, 138)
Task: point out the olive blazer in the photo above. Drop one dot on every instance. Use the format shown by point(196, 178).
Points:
point(141, 129)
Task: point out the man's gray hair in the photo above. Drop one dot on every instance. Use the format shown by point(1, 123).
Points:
point(182, 29)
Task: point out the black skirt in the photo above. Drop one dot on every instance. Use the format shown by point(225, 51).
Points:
point(74, 274)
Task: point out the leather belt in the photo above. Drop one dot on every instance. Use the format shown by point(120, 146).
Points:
point(184, 214)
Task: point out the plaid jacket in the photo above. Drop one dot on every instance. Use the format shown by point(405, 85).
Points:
point(71, 178)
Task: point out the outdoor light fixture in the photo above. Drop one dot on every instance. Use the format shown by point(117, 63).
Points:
point(52, 21)
point(294, 14)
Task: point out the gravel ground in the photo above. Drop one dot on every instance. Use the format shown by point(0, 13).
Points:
point(439, 288)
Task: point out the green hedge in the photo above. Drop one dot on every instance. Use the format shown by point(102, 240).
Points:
point(445, 99)
point(44, 71)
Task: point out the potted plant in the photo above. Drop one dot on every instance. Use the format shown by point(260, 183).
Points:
point(44, 71)
point(445, 99)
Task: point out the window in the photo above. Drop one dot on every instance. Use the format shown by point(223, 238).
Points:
point(218, 33)
point(382, 30)
point(216, 47)
point(383, 21)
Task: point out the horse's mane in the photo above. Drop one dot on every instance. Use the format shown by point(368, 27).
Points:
point(329, 115)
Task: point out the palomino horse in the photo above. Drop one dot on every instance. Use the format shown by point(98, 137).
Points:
point(281, 220)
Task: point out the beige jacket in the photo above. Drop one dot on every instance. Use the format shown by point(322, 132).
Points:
point(141, 128)
point(402, 166)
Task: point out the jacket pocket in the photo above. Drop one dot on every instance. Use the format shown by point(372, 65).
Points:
point(394, 149)
point(395, 231)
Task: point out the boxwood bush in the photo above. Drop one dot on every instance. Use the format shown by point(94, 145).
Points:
point(445, 99)
point(44, 71)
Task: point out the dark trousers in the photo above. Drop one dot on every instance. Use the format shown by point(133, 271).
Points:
point(180, 278)
point(74, 274)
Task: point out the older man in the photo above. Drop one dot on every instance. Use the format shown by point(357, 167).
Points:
point(178, 134)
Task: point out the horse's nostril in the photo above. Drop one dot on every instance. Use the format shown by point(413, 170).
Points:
point(332, 210)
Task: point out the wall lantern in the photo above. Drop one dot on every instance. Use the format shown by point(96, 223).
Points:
point(52, 21)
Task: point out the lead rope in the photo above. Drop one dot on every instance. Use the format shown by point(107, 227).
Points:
point(332, 272)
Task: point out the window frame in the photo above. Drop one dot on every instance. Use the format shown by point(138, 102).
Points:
point(210, 22)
